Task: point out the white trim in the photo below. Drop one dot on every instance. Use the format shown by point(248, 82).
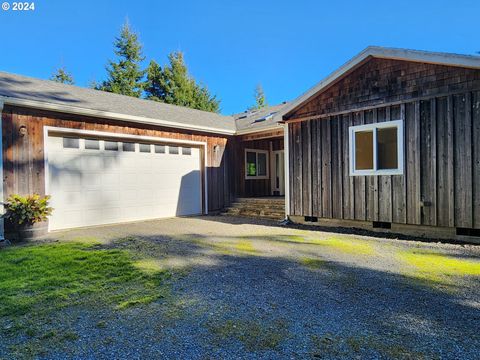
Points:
point(286, 156)
point(110, 115)
point(273, 172)
point(466, 61)
point(373, 127)
point(2, 209)
point(48, 129)
point(256, 177)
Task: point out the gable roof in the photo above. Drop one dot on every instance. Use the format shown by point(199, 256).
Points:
point(449, 59)
point(258, 120)
point(49, 95)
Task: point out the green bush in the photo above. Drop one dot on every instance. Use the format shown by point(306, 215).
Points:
point(27, 210)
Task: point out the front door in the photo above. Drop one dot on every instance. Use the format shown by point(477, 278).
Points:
point(278, 173)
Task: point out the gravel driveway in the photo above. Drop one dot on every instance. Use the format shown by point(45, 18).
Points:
point(250, 289)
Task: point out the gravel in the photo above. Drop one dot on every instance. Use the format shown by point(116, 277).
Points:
point(250, 289)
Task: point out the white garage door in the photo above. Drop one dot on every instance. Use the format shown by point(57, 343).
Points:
point(101, 181)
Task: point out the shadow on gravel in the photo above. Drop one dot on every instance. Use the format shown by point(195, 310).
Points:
point(329, 308)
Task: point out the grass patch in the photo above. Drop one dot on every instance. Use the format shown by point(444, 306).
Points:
point(438, 267)
point(38, 281)
point(253, 334)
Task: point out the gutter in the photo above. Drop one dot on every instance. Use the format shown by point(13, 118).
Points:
point(109, 115)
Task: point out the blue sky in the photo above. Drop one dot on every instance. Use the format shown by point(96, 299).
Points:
point(287, 46)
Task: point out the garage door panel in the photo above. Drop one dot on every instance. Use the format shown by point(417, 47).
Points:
point(93, 187)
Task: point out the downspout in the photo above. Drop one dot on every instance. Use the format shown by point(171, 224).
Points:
point(287, 171)
point(2, 210)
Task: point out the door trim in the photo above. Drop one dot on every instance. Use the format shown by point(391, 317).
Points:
point(274, 170)
point(201, 144)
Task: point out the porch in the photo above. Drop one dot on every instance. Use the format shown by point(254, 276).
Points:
point(259, 164)
point(259, 175)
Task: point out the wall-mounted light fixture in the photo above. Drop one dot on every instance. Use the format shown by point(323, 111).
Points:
point(22, 130)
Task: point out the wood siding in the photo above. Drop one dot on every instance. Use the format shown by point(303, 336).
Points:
point(252, 187)
point(23, 156)
point(379, 82)
point(441, 181)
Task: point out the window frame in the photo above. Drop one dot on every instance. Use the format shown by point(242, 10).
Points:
point(398, 124)
point(267, 171)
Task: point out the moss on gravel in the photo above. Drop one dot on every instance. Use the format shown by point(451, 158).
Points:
point(255, 335)
point(437, 267)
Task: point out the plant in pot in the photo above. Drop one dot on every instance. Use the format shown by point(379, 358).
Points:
point(24, 212)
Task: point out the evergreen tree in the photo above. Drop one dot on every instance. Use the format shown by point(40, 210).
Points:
point(62, 76)
point(260, 98)
point(153, 87)
point(124, 75)
point(173, 85)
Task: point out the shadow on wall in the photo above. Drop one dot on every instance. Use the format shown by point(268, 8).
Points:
point(189, 200)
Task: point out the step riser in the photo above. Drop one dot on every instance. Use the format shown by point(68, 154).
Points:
point(268, 208)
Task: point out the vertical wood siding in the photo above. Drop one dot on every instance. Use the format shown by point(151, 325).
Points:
point(441, 181)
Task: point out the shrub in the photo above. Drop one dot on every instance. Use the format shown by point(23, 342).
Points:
point(27, 210)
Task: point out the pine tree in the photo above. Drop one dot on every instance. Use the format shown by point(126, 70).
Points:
point(125, 75)
point(260, 98)
point(173, 85)
point(62, 76)
point(153, 88)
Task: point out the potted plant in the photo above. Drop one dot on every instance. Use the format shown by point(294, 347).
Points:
point(24, 212)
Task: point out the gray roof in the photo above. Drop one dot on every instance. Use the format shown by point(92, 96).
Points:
point(81, 100)
point(259, 119)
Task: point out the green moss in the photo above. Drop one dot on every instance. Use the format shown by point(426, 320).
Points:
point(346, 245)
point(438, 267)
point(254, 335)
point(328, 345)
point(312, 263)
point(245, 246)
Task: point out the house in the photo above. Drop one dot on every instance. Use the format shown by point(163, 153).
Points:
point(390, 140)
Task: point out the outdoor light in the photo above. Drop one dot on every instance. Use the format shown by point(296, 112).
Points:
point(22, 130)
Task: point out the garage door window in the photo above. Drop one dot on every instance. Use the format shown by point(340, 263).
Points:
point(111, 145)
point(71, 143)
point(129, 147)
point(186, 151)
point(160, 149)
point(92, 144)
point(173, 150)
point(145, 148)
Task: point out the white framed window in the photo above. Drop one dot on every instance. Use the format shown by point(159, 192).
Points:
point(256, 164)
point(376, 149)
